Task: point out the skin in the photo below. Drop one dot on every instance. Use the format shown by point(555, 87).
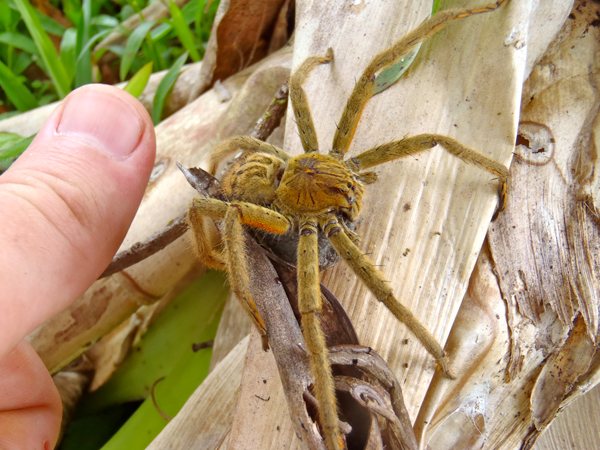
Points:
point(66, 205)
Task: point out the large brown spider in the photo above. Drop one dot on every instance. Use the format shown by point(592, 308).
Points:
point(314, 193)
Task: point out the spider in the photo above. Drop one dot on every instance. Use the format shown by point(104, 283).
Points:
point(315, 195)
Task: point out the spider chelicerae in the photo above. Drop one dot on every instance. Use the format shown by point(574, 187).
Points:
point(316, 193)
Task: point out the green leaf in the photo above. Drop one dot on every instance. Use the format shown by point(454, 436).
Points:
point(91, 42)
point(103, 20)
point(204, 18)
point(50, 25)
point(199, 16)
point(83, 66)
point(161, 31)
point(182, 375)
point(8, 115)
point(389, 76)
point(93, 431)
point(72, 9)
point(8, 155)
point(133, 45)
point(47, 99)
point(9, 139)
point(126, 12)
point(68, 48)
point(46, 49)
point(118, 50)
point(164, 88)
point(7, 18)
point(183, 31)
point(15, 90)
point(24, 60)
point(19, 41)
point(191, 318)
point(139, 81)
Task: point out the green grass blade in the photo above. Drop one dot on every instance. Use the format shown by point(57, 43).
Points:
point(198, 16)
point(83, 66)
point(50, 25)
point(191, 318)
point(46, 49)
point(184, 374)
point(161, 31)
point(8, 139)
point(118, 50)
point(164, 88)
point(15, 90)
point(389, 76)
point(68, 51)
point(8, 155)
point(166, 26)
point(139, 81)
point(19, 41)
point(103, 20)
point(204, 18)
point(183, 31)
point(132, 47)
point(6, 17)
point(150, 52)
point(91, 42)
point(23, 61)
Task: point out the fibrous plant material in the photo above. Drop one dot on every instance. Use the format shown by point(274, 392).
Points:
point(532, 305)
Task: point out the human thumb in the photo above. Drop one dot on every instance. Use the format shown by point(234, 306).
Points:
point(67, 204)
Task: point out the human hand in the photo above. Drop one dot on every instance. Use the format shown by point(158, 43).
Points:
point(66, 205)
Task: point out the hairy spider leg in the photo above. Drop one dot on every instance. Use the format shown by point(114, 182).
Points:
point(309, 299)
point(306, 128)
point(365, 87)
point(244, 144)
point(201, 243)
point(362, 266)
point(234, 215)
point(415, 144)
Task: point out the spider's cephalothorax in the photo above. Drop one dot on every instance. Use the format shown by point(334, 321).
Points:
point(315, 195)
point(315, 184)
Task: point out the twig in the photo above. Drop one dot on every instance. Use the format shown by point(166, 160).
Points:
point(142, 250)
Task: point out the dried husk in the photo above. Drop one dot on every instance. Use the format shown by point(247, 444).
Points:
point(526, 333)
